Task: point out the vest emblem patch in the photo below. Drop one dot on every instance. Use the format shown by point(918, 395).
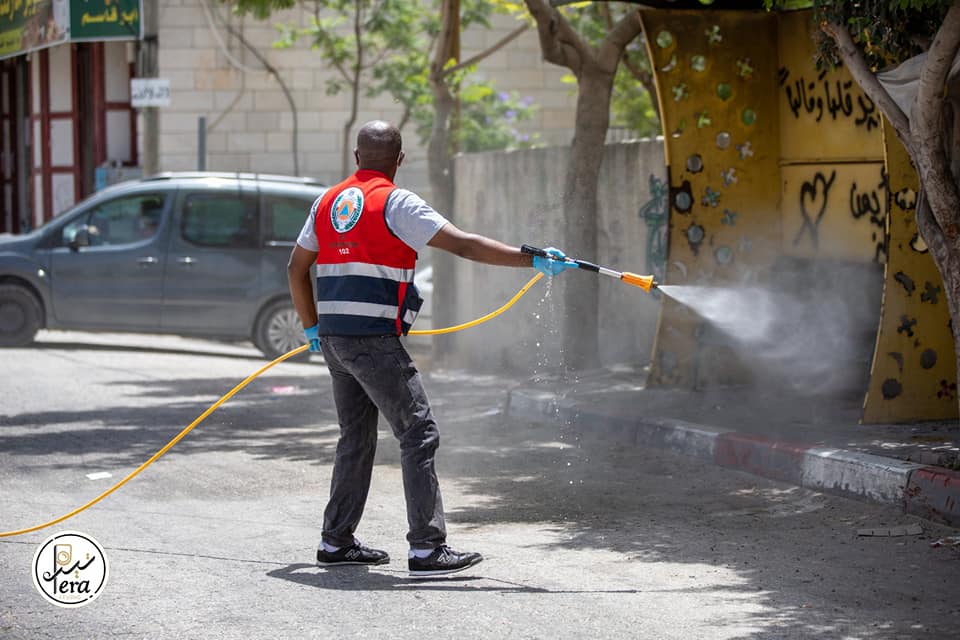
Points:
point(346, 209)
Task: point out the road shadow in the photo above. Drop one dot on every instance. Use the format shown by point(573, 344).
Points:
point(212, 350)
point(359, 578)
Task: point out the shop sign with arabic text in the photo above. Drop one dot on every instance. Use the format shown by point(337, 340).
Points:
point(104, 19)
point(27, 25)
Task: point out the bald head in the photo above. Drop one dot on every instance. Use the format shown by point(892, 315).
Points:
point(379, 147)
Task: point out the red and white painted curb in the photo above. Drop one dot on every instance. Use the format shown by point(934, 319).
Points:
point(926, 491)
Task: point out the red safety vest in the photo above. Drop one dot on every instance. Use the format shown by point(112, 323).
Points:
point(364, 272)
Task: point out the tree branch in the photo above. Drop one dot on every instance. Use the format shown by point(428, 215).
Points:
point(930, 231)
point(857, 65)
point(561, 45)
point(645, 78)
point(446, 38)
point(510, 37)
point(626, 29)
point(933, 75)
point(276, 74)
point(926, 118)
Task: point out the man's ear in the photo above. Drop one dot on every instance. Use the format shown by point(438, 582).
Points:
point(400, 159)
point(356, 156)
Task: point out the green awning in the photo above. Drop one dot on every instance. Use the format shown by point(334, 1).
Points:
point(28, 25)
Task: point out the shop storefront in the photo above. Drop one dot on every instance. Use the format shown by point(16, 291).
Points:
point(65, 69)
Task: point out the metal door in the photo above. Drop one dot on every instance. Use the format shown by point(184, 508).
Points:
point(108, 270)
point(212, 281)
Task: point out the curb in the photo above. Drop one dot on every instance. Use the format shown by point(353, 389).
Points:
point(934, 493)
point(929, 492)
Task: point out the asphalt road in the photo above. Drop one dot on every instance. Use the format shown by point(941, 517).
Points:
point(582, 538)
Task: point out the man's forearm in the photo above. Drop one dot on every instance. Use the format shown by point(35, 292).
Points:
point(490, 251)
point(301, 285)
point(301, 291)
point(473, 246)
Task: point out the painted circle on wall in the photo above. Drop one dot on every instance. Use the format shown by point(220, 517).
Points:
point(891, 388)
point(724, 255)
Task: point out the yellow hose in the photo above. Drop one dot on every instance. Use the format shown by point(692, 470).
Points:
point(489, 316)
point(232, 392)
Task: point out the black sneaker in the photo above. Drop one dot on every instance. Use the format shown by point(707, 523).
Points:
point(354, 554)
point(443, 560)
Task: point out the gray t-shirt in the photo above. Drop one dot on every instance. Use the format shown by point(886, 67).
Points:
point(407, 215)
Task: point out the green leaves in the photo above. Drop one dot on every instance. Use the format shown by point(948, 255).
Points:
point(887, 31)
point(383, 47)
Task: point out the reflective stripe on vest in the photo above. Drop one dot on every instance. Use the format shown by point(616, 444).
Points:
point(364, 269)
point(368, 309)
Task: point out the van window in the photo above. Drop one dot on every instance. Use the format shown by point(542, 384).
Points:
point(219, 220)
point(122, 220)
point(285, 216)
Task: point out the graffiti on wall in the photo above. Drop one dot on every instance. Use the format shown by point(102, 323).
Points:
point(655, 213)
point(836, 210)
point(838, 98)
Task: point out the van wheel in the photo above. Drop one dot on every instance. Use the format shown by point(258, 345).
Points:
point(20, 316)
point(278, 331)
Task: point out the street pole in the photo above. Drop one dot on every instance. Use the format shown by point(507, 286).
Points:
point(202, 144)
point(149, 68)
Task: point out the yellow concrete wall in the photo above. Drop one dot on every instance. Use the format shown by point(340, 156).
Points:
point(914, 374)
point(768, 157)
point(717, 85)
point(834, 199)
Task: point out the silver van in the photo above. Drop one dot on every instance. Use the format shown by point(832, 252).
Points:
point(191, 254)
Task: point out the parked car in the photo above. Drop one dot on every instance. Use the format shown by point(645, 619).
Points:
point(191, 254)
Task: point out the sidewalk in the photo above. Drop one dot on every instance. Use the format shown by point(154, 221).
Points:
point(811, 441)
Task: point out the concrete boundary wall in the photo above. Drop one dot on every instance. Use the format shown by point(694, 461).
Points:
point(517, 196)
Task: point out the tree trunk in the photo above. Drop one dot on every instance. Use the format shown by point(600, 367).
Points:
point(440, 173)
point(938, 207)
point(345, 165)
point(581, 344)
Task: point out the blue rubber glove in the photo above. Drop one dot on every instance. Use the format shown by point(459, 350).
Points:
point(313, 338)
point(554, 264)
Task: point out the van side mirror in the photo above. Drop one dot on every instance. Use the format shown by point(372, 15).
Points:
point(81, 238)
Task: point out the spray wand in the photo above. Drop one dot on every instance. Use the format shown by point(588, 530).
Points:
point(644, 282)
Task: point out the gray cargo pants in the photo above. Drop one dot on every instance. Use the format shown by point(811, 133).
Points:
point(372, 373)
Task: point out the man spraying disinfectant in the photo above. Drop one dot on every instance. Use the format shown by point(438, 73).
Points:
point(364, 235)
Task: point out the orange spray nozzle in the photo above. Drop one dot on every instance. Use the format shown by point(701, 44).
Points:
point(644, 282)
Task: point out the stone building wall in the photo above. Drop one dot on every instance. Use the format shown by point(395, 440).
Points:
point(249, 120)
